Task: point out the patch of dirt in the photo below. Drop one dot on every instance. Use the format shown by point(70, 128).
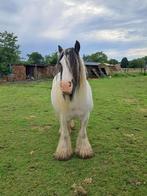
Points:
point(32, 152)
point(80, 189)
point(143, 110)
point(30, 117)
point(129, 135)
point(131, 100)
point(87, 181)
point(41, 128)
point(136, 182)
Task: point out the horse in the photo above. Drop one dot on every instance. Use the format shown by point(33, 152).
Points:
point(71, 97)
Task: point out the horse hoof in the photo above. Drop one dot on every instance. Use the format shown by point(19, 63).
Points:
point(62, 157)
point(85, 154)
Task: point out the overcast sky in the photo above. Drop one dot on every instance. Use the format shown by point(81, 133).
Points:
point(116, 27)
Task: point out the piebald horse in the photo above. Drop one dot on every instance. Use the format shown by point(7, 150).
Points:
point(71, 98)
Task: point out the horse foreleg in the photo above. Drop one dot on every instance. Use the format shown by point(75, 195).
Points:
point(64, 149)
point(83, 147)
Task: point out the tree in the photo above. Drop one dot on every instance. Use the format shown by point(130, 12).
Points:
point(137, 63)
point(113, 61)
point(145, 59)
point(99, 57)
point(124, 63)
point(51, 59)
point(35, 58)
point(9, 51)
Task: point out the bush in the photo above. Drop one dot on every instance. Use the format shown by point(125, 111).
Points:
point(4, 69)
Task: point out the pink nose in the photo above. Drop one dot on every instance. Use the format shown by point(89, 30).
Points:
point(66, 87)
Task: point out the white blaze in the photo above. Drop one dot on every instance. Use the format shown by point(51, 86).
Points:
point(66, 74)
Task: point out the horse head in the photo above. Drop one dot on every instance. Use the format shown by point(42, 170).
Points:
point(69, 62)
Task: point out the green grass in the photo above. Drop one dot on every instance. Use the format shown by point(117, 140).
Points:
point(117, 130)
point(128, 74)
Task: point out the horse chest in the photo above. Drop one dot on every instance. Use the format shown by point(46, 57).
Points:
point(77, 109)
point(75, 112)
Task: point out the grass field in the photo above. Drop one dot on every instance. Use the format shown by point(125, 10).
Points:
point(117, 130)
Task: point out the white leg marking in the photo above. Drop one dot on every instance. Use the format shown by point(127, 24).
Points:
point(83, 147)
point(64, 149)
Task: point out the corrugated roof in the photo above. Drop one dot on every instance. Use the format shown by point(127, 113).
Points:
point(91, 63)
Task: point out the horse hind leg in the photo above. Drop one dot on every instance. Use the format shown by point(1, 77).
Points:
point(83, 147)
point(71, 125)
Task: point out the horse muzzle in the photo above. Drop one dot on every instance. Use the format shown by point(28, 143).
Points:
point(66, 87)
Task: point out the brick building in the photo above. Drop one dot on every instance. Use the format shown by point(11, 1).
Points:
point(21, 72)
point(34, 72)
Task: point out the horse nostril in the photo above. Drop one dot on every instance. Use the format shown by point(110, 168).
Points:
point(69, 84)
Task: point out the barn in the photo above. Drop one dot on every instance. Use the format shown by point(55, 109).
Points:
point(115, 68)
point(96, 70)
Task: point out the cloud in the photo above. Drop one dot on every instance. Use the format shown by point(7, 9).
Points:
point(74, 14)
point(110, 35)
point(129, 53)
point(112, 25)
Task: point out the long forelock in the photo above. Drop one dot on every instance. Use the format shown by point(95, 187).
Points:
point(73, 62)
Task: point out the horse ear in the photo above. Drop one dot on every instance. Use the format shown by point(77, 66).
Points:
point(60, 49)
point(77, 47)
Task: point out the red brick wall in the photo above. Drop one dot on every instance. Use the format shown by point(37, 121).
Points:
point(41, 72)
point(45, 72)
point(19, 72)
point(50, 71)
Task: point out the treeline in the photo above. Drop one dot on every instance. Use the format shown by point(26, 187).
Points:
point(102, 58)
point(135, 63)
point(10, 54)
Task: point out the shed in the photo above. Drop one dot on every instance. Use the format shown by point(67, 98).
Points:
point(31, 71)
point(95, 70)
point(114, 68)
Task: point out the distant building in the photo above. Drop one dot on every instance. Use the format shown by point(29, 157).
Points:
point(93, 70)
point(20, 72)
point(30, 71)
point(96, 70)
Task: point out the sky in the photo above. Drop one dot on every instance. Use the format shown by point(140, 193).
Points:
point(116, 27)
